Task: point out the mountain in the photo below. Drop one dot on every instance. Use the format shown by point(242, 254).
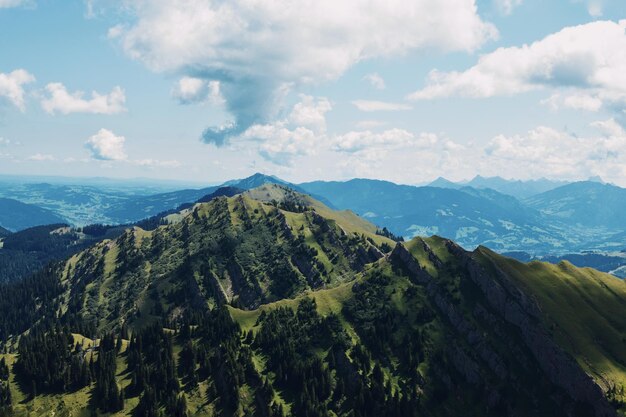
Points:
point(4, 232)
point(442, 182)
point(255, 180)
point(517, 188)
point(269, 303)
point(15, 215)
point(471, 216)
point(585, 203)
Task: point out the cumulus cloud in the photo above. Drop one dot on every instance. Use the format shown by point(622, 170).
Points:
point(373, 105)
point(303, 132)
point(106, 146)
point(311, 112)
point(547, 152)
point(62, 101)
point(190, 90)
point(258, 50)
point(375, 81)
point(12, 87)
point(589, 59)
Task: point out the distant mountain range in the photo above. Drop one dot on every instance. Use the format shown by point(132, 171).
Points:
point(539, 217)
point(516, 188)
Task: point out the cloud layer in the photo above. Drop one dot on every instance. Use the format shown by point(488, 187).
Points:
point(259, 50)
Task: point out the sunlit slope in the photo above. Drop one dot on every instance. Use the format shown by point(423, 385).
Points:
point(267, 244)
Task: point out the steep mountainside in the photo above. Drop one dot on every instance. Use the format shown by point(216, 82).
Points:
point(15, 215)
point(269, 303)
point(27, 251)
point(4, 232)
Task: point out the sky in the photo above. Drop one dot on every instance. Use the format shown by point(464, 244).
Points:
point(401, 90)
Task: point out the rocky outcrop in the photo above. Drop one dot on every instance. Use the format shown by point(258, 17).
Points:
point(523, 312)
point(471, 334)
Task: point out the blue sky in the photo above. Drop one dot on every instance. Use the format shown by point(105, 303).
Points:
point(401, 90)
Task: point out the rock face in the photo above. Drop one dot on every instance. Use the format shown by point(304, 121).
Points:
point(523, 312)
point(516, 308)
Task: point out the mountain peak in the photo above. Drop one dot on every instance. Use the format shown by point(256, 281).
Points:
point(255, 180)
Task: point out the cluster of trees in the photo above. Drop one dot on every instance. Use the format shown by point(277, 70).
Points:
point(333, 382)
point(107, 395)
point(154, 373)
point(386, 233)
point(5, 390)
point(28, 301)
point(49, 361)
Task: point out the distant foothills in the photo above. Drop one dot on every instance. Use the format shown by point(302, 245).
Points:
point(583, 222)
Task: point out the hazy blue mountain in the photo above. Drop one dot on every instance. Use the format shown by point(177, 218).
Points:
point(130, 210)
point(4, 232)
point(516, 188)
point(15, 215)
point(255, 180)
point(442, 182)
point(585, 203)
point(468, 215)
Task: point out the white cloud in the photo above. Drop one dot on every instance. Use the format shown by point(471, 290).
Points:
point(4, 142)
point(39, 157)
point(280, 144)
point(506, 6)
point(106, 146)
point(303, 132)
point(576, 101)
point(190, 90)
point(609, 128)
point(12, 87)
point(260, 49)
point(311, 112)
point(363, 140)
point(547, 152)
point(62, 101)
point(5, 4)
point(589, 59)
point(375, 80)
point(373, 105)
